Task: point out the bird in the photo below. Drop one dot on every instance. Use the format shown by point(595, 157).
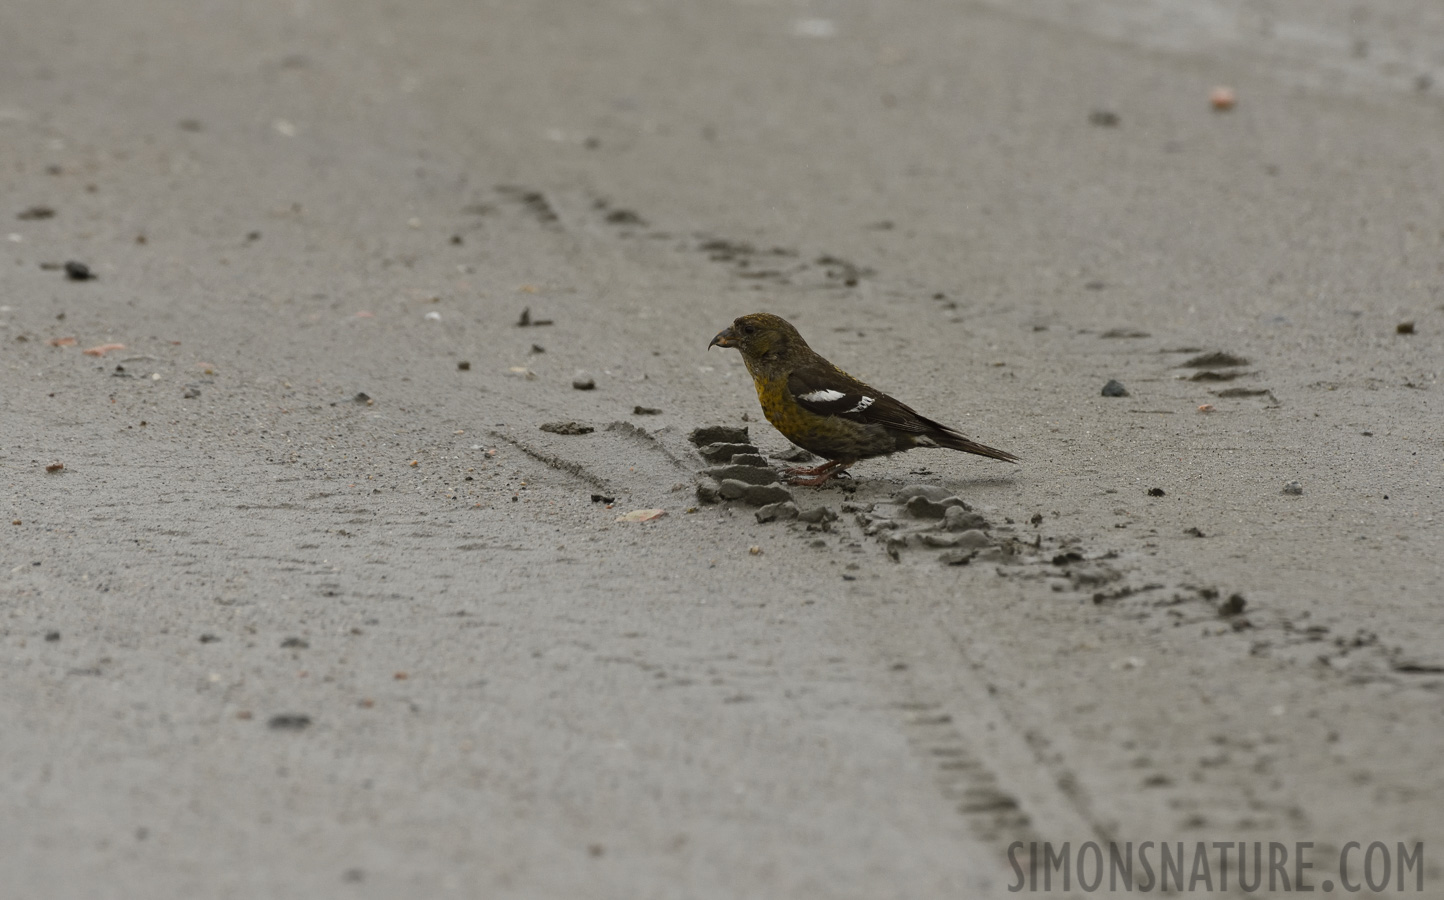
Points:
point(826, 411)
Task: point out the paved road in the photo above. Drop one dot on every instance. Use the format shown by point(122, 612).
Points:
point(314, 608)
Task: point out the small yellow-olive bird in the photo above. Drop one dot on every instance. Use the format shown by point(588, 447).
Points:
point(826, 411)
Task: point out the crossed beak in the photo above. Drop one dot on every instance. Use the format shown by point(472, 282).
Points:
point(725, 338)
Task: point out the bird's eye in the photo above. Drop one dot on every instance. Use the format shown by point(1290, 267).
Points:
point(749, 328)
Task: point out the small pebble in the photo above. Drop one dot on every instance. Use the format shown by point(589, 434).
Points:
point(78, 271)
point(1222, 98)
point(1155, 492)
point(1217, 359)
point(933, 492)
point(566, 428)
point(756, 460)
point(646, 411)
point(732, 489)
point(1114, 389)
point(763, 494)
point(290, 722)
point(717, 434)
point(55, 467)
point(584, 383)
point(464, 366)
point(1404, 328)
point(1293, 488)
point(784, 511)
point(796, 454)
point(746, 474)
point(923, 508)
point(818, 514)
point(723, 453)
point(958, 518)
point(708, 491)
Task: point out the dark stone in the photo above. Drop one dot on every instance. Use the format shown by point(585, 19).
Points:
point(718, 434)
point(923, 508)
point(784, 511)
point(290, 722)
point(756, 460)
point(817, 514)
point(1215, 360)
point(566, 428)
point(763, 494)
point(745, 474)
point(723, 452)
point(708, 491)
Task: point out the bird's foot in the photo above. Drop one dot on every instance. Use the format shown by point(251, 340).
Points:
point(817, 474)
point(804, 470)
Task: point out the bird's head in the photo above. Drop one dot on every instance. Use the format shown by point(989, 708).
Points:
point(759, 336)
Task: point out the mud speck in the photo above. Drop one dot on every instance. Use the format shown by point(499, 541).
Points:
point(718, 434)
point(566, 428)
point(78, 271)
point(1215, 360)
point(289, 722)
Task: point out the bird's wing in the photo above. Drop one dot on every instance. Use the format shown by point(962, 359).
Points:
point(832, 392)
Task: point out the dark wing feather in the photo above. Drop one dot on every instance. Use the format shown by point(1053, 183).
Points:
point(832, 392)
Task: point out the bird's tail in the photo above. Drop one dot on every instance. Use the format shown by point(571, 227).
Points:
point(946, 437)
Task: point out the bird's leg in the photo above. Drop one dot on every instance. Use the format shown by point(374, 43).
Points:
point(804, 470)
point(818, 474)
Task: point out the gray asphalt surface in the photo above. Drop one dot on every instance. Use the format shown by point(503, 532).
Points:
point(314, 608)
